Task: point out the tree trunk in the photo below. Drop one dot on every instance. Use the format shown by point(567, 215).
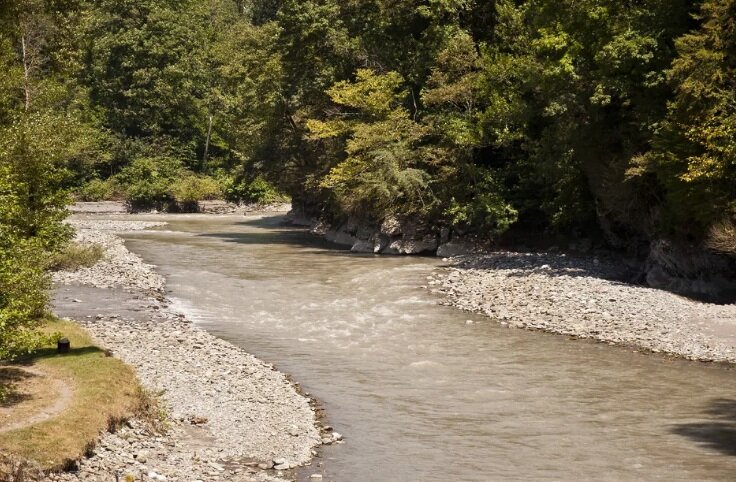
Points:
point(26, 73)
point(207, 143)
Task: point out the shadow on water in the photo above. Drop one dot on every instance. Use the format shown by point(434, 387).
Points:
point(270, 222)
point(277, 230)
point(289, 237)
point(717, 434)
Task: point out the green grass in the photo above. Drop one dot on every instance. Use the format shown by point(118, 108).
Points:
point(76, 256)
point(105, 392)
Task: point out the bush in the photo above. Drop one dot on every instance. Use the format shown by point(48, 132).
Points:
point(162, 183)
point(75, 256)
point(97, 190)
point(191, 188)
point(148, 180)
point(257, 190)
point(23, 298)
point(483, 207)
point(722, 238)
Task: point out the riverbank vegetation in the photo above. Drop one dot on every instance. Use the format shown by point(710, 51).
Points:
point(99, 391)
point(553, 116)
point(593, 118)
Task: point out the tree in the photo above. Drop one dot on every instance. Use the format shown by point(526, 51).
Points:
point(382, 171)
point(145, 70)
point(695, 149)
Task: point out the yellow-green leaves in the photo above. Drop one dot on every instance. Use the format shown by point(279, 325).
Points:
point(695, 149)
point(381, 172)
point(370, 93)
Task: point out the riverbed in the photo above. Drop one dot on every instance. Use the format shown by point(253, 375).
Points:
point(426, 392)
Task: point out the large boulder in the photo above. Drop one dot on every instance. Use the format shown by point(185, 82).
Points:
point(456, 247)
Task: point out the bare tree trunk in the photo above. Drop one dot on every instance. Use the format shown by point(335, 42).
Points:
point(26, 73)
point(207, 143)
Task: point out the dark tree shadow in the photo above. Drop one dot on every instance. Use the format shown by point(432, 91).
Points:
point(42, 353)
point(278, 230)
point(719, 433)
point(523, 264)
point(10, 378)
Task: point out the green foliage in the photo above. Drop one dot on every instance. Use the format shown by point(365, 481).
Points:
point(145, 67)
point(46, 131)
point(34, 151)
point(97, 190)
point(75, 256)
point(147, 181)
point(483, 207)
point(162, 183)
point(23, 281)
point(23, 285)
point(382, 172)
point(257, 190)
point(244, 102)
point(190, 188)
point(695, 148)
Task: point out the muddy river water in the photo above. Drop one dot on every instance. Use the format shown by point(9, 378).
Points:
point(423, 392)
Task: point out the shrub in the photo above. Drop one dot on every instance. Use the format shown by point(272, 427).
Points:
point(722, 238)
point(262, 192)
point(75, 256)
point(148, 180)
point(257, 190)
point(23, 298)
point(97, 190)
point(191, 188)
point(483, 206)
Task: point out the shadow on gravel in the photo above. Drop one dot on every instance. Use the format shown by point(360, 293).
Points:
point(719, 433)
point(552, 265)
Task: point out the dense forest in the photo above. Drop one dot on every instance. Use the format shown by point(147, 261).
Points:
point(601, 118)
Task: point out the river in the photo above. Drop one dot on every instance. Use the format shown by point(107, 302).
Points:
point(423, 392)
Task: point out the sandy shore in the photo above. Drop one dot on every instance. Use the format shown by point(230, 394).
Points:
point(580, 296)
point(231, 416)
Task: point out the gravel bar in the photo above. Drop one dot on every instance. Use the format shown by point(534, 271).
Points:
point(231, 416)
point(582, 297)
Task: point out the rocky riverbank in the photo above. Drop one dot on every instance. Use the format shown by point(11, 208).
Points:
point(230, 415)
point(584, 297)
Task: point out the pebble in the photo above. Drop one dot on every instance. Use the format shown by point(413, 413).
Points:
point(581, 296)
point(222, 404)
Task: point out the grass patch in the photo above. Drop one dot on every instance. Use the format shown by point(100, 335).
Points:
point(104, 392)
point(75, 256)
